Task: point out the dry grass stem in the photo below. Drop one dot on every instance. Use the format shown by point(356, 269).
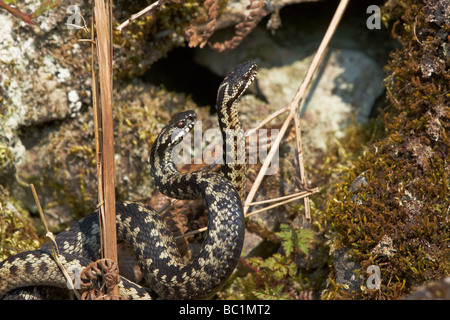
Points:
point(103, 21)
point(51, 240)
point(289, 198)
point(141, 13)
point(294, 197)
point(267, 120)
point(298, 139)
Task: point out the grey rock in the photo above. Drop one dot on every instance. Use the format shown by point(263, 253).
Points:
point(344, 270)
point(435, 290)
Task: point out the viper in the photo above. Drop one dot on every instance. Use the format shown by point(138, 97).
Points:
point(165, 271)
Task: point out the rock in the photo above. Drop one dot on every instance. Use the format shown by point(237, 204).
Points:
point(34, 68)
point(44, 74)
point(384, 248)
point(11, 152)
point(344, 270)
point(435, 290)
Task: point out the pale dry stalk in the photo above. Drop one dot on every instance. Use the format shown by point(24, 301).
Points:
point(293, 108)
point(141, 13)
point(52, 241)
point(103, 22)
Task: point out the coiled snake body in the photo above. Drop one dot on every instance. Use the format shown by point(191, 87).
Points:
point(167, 275)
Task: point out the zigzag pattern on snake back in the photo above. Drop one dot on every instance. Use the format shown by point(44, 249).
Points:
point(234, 166)
point(140, 226)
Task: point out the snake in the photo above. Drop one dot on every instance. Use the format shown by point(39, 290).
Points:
point(167, 274)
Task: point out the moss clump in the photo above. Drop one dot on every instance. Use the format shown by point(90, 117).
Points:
point(404, 202)
point(17, 233)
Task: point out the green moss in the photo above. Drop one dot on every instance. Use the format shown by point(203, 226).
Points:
point(406, 196)
point(17, 233)
point(6, 160)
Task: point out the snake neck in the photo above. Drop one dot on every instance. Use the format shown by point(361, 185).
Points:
point(234, 166)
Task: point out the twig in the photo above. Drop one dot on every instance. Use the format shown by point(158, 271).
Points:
point(289, 198)
point(141, 13)
point(298, 136)
point(300, 195)
point(23, 16)
point(83, 27)
point(52, 241)
point(294, 195)
point(267, 120)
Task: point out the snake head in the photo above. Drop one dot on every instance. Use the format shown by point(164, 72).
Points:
point(178, 127)
point(172, 134)
point(236, 82)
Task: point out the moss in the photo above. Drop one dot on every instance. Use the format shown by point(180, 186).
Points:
point(17, 233)
point(406, 194)
point(6, 161)
point(150, 38)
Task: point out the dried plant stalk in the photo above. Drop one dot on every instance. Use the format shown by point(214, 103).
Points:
point(141, 13)
point(300, 195)
point(298, 139)
point(103, 17)
point(286, 199)
point(51, 240)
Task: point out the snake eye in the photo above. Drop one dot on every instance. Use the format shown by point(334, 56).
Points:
point(246, 76)
point(180, 124)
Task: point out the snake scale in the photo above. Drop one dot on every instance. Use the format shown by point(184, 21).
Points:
point(28, 274)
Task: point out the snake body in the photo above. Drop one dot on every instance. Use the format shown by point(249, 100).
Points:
point(167, 275)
